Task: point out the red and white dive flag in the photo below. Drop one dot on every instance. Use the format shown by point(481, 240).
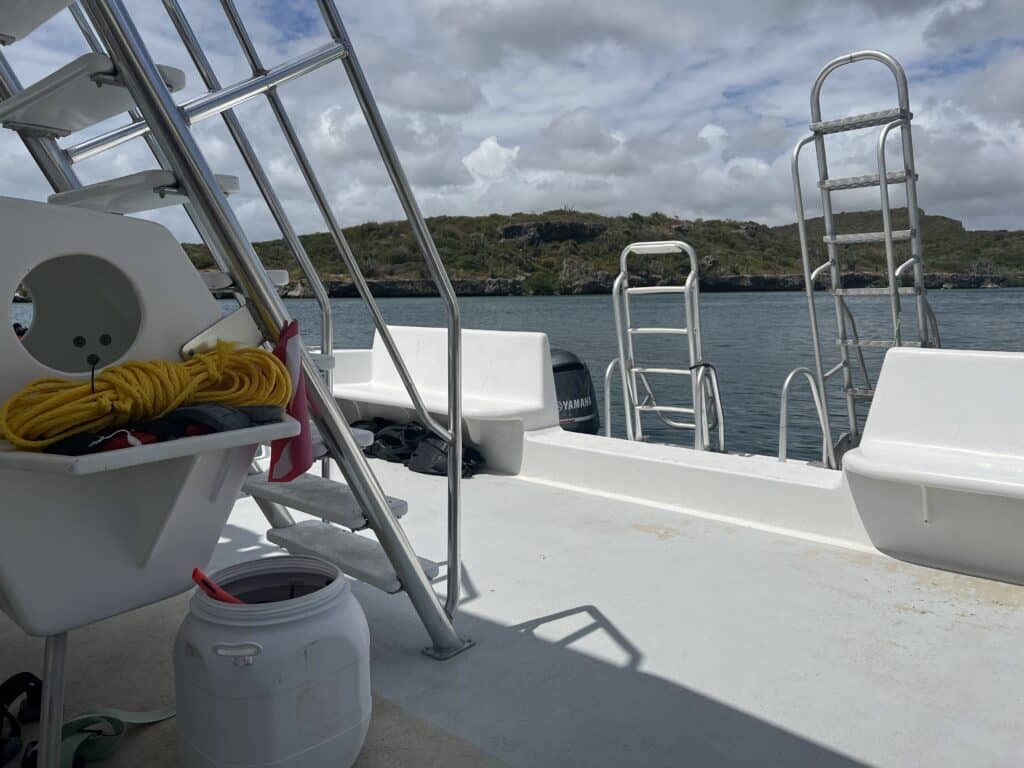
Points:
point(292, 456)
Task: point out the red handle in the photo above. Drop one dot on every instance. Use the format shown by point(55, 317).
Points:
point(211, 588)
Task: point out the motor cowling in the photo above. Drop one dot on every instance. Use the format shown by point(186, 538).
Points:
point(577, 403)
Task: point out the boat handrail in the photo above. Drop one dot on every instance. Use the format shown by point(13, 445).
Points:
point(828, 456)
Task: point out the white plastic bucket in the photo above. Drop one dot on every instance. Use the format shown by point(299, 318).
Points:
point(283, 680)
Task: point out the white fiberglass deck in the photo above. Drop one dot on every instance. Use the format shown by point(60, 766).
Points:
point(611, 633)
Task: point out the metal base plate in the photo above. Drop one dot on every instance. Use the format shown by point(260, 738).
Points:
point(448, 653)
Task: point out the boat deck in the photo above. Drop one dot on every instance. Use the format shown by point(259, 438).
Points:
point(613, 633)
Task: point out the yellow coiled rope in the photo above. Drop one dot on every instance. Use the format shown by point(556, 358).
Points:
point(49, 410)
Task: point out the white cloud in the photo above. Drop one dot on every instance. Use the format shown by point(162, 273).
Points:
point(490, 161)
point(675, 105)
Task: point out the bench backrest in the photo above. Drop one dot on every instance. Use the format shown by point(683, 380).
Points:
point(950, 398)
point(496, 365)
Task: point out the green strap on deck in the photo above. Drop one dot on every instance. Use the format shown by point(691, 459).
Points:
point(96, 736)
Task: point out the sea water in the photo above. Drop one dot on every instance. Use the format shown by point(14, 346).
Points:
point(753, 339)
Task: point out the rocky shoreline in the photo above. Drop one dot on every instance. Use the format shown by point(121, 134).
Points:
point(601, 283)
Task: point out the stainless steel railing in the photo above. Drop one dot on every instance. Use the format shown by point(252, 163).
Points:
point(169, 124)
point(847, 338)
point(828, 456)
point(638, 394)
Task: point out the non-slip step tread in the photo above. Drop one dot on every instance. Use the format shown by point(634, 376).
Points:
point(19, 18)
point(222, 281)
point(898, 236)
point(659, 331)
point(655, 289)
point(856, 122)
point(903, 290)
point(327, 499)
point(861, 393)
point(357, 556)
point(868, 180)
point(134, 193)
point(874, 343)
point(79, 94)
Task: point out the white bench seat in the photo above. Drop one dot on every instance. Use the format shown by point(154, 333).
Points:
point(938, 478)
point(507, 385)
point(940, 468)
point(473, 406)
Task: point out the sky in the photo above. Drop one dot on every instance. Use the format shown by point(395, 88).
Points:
point(683, 107)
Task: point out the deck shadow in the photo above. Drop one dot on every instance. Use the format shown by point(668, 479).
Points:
point(531, 701)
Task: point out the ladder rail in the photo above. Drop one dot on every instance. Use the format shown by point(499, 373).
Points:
point(256, 169)
point(267, 192)
point(609, 373)
point(826, 197)
point(435, 266)
point(809, 277)
point(171, 129)
point(916, 241)
point(890, 246)
point(704, 388)
point(334, 227)
point(828, 456)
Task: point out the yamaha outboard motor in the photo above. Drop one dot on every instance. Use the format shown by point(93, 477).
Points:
point(577, 405)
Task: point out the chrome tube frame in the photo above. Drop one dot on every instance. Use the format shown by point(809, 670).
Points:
point(608, 373)
point(337, 234)
point(170, 127)
point(266, 188)
point(828, 456)
point(704, 391)
point(709, 376)
point(809, 277)
point(855, 336)
point(890, 247)
point(212, 104)
point(435, 267)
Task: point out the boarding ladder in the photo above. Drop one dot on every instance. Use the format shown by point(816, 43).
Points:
point(859, 389)
point(118, 76)
point(704, 412)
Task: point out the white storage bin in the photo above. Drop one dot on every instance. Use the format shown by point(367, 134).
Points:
point(283, 680)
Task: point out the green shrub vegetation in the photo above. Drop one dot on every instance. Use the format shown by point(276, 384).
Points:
point(552, 251)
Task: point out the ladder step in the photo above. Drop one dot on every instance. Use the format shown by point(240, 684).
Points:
point(658, 289)
point(861, 393)
point(898, 235)
point(667, 331)
point(669, 371)
point(82, 93)
point(217, 282)
point(665, 409)
point(855, 122)
point(18, 18)
point(856, 182)
point(874, 343)
point(360, 557)
point(327, 499)
point(137, 192)
point(905, 290)
point(363, 437)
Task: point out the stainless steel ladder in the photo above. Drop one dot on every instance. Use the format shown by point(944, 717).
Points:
point(848, 338)
point(705, 409)
point(120, 60)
